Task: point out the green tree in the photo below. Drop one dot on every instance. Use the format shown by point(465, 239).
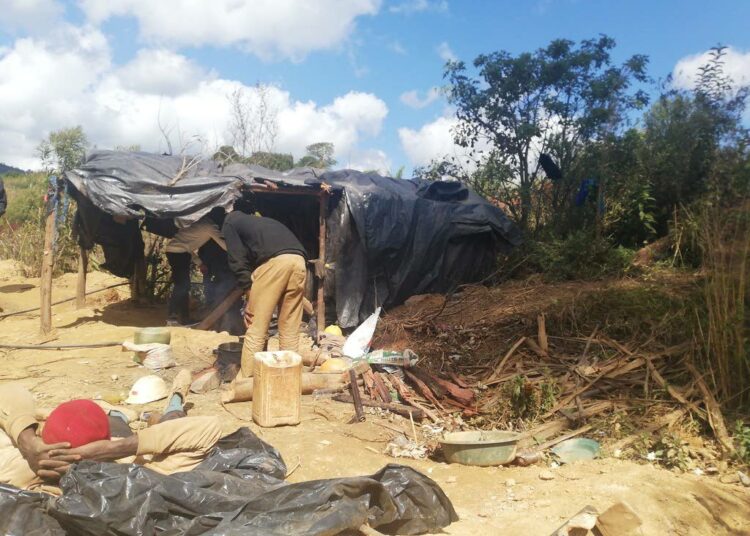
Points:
point(63, 149)
point(553, 100)
point(319, 155)
point(277, 161)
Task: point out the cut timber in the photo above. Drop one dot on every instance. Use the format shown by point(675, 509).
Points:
point(242, 390)
point(218, 312)
point(48, 259)
point(542, 333)
point(399, 409)
point(715, 418)
point(83, 261)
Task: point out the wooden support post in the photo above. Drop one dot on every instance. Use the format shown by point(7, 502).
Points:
point(48, 260)
point(83, 261)
point(322, 260)
point(138, 282)
point(219, 310)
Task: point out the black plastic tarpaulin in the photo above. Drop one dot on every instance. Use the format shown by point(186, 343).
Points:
point(238, 490)
point(388, 239)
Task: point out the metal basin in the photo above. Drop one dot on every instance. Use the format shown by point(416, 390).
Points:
point(480, 448)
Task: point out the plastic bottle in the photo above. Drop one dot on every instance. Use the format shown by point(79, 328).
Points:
point(407, 358)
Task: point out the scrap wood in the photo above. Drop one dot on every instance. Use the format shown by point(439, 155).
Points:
point(534, 347)
point(458, 379)
point(465, 396)
point(499, 368)
point(713, 410)
point(424, 389)
point(664, 422)
point(399, 409)
point(673, 391)
point(564, 437)
point(380, 388)
point(426, 378)
point(406, 395)
point(542, 333)
point(369, 382)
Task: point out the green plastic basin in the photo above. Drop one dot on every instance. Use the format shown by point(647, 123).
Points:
point(480, 448)
point(151, 335)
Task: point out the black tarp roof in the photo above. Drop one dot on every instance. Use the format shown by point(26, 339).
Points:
point(389, 239)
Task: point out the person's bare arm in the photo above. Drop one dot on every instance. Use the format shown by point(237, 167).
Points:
point(103, 451)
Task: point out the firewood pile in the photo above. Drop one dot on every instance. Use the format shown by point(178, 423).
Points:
point(553, 388)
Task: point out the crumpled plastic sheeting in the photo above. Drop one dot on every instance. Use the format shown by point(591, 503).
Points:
point(237, 490)
point(22, 514)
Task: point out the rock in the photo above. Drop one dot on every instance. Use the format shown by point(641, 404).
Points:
point(114, 377)
point(546, 475)
point(450, 480)
point(543, 504)
point(510, 482)
point(732, 478)
point(744, 479)
point(712, 470)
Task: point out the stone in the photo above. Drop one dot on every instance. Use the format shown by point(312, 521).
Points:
point(450, 480)
point(510, 482)
point(732, 478)
point(546, 475)
point(744, 479)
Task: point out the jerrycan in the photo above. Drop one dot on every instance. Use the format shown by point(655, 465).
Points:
point(277, 388)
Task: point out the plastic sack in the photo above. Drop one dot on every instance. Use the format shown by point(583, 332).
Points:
point(358, 343)
point(238, 489)
point(153, 356)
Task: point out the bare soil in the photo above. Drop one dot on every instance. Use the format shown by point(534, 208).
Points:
point(504, 500)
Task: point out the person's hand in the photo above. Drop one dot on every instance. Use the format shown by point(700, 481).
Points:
point(39, 455)
point(325, 187)
point(104, 450)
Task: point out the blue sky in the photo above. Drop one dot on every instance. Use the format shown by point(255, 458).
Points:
point(372, 54)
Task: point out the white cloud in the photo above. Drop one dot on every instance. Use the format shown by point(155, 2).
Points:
point(69, 80)
point(267, 28)
point(368, 160)
point(29, 15)
point(445, 52)
point(433, 141)
point(417, 6)
point(413, 100)
point(397, 47)
point(736, 66)
point(161, 72)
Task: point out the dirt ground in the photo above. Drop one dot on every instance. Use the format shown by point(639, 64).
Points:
point(504, 500)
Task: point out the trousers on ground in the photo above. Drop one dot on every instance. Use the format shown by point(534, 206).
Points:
point(179, 301)
point(168, 447)
point(280, 281)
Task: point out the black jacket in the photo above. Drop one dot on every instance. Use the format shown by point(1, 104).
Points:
point(252, 240)
point(3, 199)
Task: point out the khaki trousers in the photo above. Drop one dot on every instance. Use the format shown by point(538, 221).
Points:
point(278, 281)
point(168, 447)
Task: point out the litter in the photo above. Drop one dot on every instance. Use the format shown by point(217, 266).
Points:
point(577, 449)
point(358, 343)
point(154, 356)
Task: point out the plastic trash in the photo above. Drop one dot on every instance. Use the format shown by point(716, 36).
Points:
point(358, 343)
point(407, 358)
point(577, 449)
point(154, 356)
point(238, 489)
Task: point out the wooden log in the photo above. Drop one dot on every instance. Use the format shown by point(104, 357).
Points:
point(359, 412)
point(399, 409)
point(464, 396)
point(323, 214)
point(48, 260)
point(380, 388)
point(219, 310)
point(242, 390)
point(83, 261)
point(423, 389)
point(542, 333)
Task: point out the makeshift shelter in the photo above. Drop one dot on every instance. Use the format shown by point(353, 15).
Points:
point(377, 240)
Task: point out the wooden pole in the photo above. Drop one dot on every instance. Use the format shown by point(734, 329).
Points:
point(48, 260)
point(83, 261)
point(322, 260)
point(219, 310)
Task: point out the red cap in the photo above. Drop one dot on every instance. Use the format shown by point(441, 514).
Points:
point(77, 422)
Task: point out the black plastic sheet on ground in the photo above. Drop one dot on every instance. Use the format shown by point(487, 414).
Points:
point(237, 490)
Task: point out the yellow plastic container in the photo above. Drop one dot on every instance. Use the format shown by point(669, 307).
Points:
point(277, 388)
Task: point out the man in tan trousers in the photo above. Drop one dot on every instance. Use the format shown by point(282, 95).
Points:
point(269, 264)
point(26, 462)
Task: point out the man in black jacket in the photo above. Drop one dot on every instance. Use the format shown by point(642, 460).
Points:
point(269, 264)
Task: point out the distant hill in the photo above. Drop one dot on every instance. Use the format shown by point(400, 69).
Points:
point(9, 169)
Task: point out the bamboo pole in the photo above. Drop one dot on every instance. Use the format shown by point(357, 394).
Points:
point(48, 260)
point(83, 261)
point(322, 260)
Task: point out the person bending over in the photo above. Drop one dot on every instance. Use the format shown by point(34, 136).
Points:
point(269, 264)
